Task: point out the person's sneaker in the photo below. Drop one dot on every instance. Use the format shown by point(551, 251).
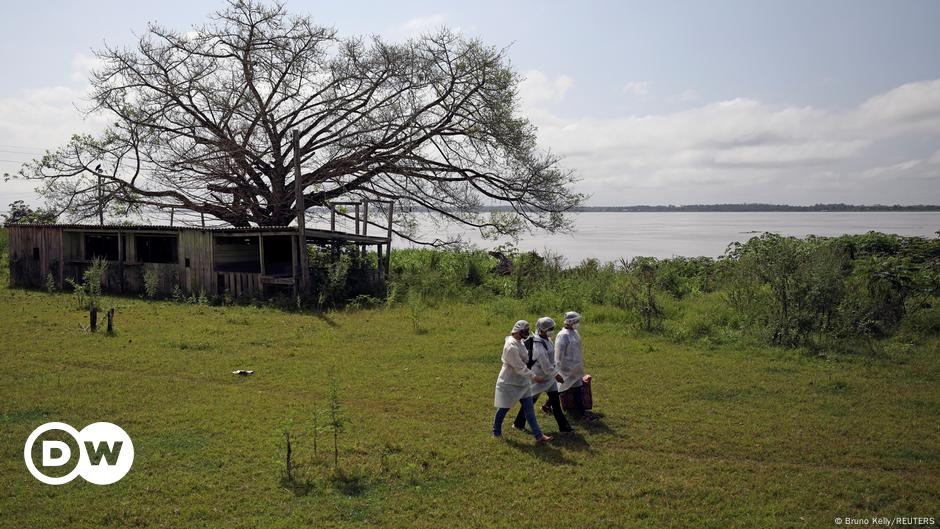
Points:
point(546, 409)
point(569, 430)
point(520, 428)
point(544, 439)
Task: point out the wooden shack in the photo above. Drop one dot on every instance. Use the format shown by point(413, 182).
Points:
point(197, 260)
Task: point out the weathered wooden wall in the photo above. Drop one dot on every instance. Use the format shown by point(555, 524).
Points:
point(239, 284)
point(27, 269)
point(196, 246)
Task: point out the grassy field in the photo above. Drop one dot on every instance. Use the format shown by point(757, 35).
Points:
point(692, 435)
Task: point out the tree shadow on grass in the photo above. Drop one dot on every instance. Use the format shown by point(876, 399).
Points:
point(347, 483)
point(350, 483)
point(300, 487)
point(545, 452)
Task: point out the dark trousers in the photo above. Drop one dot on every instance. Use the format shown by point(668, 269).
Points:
point(555, 404)
point(578, 399)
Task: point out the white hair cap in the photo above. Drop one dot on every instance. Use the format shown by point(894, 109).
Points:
point(520, 325)
point(544, 324)
point(572, 317)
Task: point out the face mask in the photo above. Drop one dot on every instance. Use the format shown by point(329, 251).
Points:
point(524, 333)
point(550, 334)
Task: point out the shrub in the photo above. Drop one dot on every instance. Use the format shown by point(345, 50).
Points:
point(639, 291)
point(88, 292)
point(94, 280)
point(878, 292)
point(151, 283)
point(416, 309)
point(787, 287)
point(79, 290)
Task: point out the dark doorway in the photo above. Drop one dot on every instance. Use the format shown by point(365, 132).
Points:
point(278, 255)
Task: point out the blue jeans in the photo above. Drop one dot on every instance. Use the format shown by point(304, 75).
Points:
point(528, 409)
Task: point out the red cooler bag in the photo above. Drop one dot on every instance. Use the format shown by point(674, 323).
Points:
point(567, 396)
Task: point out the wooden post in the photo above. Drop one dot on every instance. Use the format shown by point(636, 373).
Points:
point(365, 224)
point(93, 319)
point(365, 216)
point(61, 271)
point(121, 252)
point(301, 220)
point(261, 251)
point(100, 203)
point(202, 216)
point(388, 254)
point(357, 219)
point(293, 268)
point(110, 315)
point(332, 217)
point(172, 211)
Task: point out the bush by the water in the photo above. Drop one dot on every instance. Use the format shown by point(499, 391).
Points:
point(828, 292)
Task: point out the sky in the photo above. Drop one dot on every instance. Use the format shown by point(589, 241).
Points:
point(659, 102)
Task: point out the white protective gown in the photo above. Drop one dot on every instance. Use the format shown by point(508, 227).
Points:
point(543, 352)
point(568, 358)
point(515, 379)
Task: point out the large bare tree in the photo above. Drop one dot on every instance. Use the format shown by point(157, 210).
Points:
point(203, 123)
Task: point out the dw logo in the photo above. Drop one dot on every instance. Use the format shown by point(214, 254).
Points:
point(105, 453)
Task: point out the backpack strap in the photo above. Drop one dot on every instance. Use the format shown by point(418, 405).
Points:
point(528, 342)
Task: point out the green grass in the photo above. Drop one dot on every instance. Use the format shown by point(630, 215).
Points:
point(707, 433)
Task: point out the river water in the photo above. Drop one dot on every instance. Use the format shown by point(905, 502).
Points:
point(611, 236)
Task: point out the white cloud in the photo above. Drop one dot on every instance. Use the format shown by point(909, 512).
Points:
point(893, 170)
point(82, 65)
point(538, 90)
point(43, 118)
point(912, 107)
point(420, 25)
point(637, 88)
point(686, 96)
point(806, 153)
point(46, 117)
point(935, 158)
point(745, 144)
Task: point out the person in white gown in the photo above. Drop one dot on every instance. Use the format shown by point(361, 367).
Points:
point(570, 361)
point(514, 383)
point(542, 362)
